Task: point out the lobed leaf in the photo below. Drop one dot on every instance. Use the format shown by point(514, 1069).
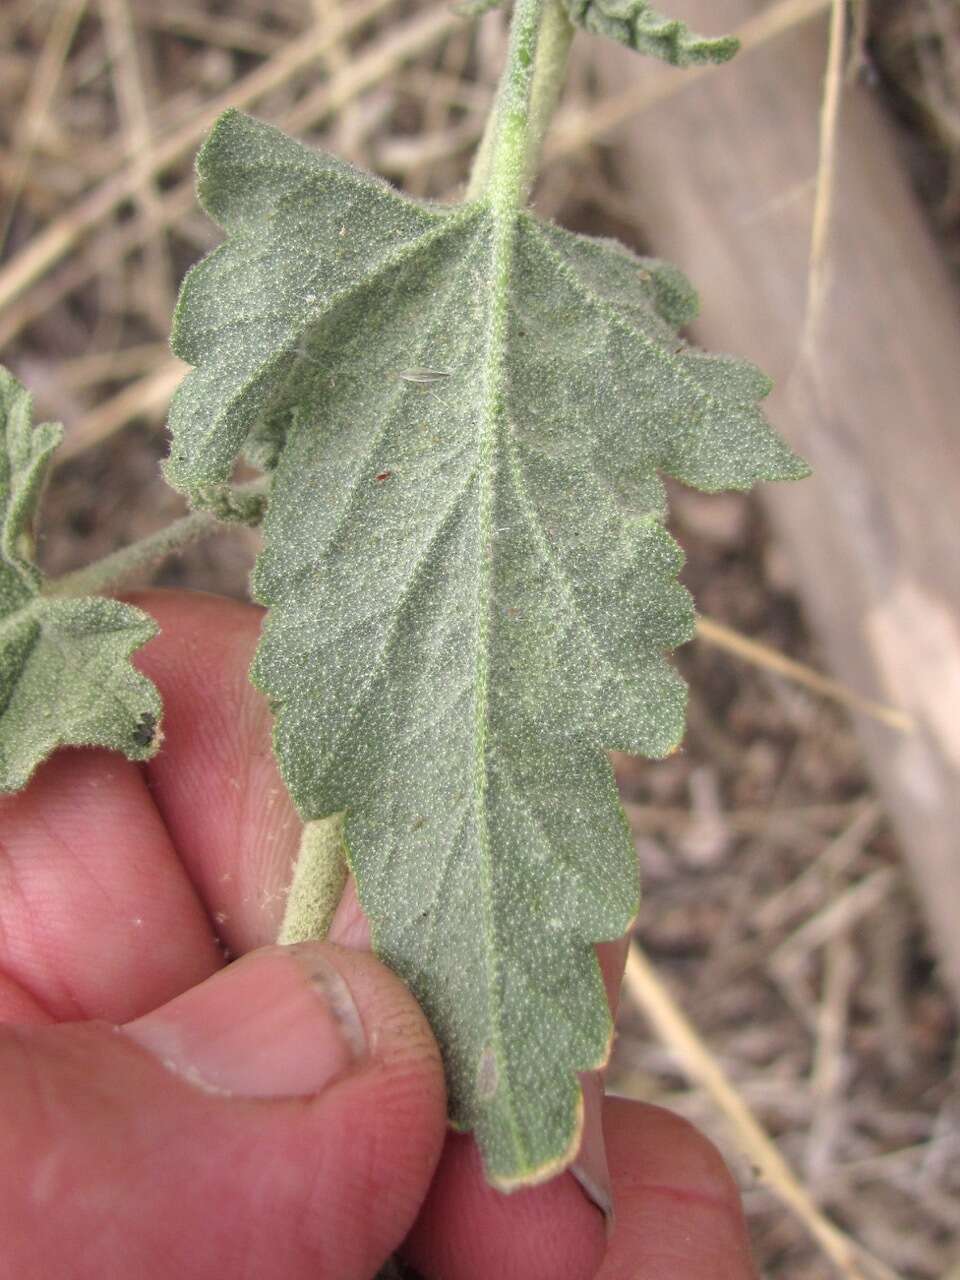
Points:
point(639, 26)
point(636, 24)
point(470, 588)
point(65, 675)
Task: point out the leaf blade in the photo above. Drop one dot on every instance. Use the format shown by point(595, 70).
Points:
point(470, 596)
point(65, 675)
point(636, 24)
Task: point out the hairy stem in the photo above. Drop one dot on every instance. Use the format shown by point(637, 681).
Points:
point(530, 85)
point(319, 878)
point(116, 569)
point(549, 75)
point(119, 567)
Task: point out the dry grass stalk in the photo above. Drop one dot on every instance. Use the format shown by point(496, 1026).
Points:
point(361, 73)
point(106, 366)
point(762, 655)
point(829, 1075)
point(818, 262)
point(800, 895)
point(220, 30)
point(832, 921)
point(158, 291)
point(148, 396)
point(650, 994)
point(744, 821)
point(36, 109)
point(297, 56)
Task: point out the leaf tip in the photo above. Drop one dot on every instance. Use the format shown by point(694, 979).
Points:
point(532, 1174)
point(723, 48)
point(207, 163)
point(221, 131)
point(794, 468)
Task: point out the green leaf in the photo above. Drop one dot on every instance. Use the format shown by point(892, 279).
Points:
point(469, 584)
point(639, 26)
point(65, 676)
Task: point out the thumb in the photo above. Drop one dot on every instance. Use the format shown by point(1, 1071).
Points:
point(281, 1120)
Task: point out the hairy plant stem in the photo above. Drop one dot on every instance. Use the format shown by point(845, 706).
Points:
point(120, 566)
point(319, 878)
point(527, 96)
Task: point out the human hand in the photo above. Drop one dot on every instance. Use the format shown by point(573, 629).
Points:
point(166, 1114)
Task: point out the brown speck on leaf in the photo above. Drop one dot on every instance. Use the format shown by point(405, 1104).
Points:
point(384, 475)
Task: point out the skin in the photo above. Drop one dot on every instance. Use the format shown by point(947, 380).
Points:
point(251, 1119)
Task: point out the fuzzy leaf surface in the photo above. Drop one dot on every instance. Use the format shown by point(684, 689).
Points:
point(639, 26)
point(469, 584)
point(65, 675)
point(636, 24)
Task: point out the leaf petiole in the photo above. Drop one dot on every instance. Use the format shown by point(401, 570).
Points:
point(120, 566)
point(529, 88)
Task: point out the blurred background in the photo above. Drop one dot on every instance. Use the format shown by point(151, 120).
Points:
point(796, 978)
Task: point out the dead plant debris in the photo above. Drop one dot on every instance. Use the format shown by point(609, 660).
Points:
point(775, 911)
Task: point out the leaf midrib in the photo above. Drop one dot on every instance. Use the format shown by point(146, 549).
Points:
point(505, 223)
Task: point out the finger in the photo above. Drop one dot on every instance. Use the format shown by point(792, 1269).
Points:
point(97, 919)
point(17, 1005)
point(678, 1211)
point(590, 1167)
point(214, 780)
point(223, 835)
point(469, 1231)
point(349, 926)
point(281, 1120)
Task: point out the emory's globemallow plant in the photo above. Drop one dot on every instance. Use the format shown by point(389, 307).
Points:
point(462, 415)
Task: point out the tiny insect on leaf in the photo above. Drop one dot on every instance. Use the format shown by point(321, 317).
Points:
point(423, 376)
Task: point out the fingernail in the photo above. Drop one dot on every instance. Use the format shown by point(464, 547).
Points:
point(590, 1167)
point(279, 1022)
